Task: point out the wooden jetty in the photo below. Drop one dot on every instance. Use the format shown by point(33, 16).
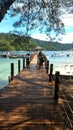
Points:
point(28, 103)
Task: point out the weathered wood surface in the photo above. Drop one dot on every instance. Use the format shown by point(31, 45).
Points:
point(27, 103)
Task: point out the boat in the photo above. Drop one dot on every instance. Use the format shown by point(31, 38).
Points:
point(69, 54)
point(58, 54)
point(16, 56)
point(5, 54)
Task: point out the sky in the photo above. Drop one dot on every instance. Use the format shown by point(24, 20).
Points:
point(6, 25)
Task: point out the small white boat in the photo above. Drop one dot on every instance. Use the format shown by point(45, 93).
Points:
point(58, 54)
point(69, 54)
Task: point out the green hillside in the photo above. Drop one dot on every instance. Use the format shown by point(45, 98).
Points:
point(48, 45)
point(12, 42)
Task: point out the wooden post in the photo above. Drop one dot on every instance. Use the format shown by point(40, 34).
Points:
point(56, 91)
point(12, 71)
point(47, 66)
point(0, 93)
point(51, 72)
point(18, 66)
point(9, 79)
point(23, 62)
point(27, 62)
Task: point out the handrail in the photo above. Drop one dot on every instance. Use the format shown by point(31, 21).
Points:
point(67, 103)
point(65, 109)
point(68, 117)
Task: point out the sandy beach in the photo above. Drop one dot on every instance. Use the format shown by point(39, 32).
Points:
point(66, 69)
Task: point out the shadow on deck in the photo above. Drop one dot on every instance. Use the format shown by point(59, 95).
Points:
point(27, 103)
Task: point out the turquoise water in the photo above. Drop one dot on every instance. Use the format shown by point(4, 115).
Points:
point(63, 64)
point(5, 69)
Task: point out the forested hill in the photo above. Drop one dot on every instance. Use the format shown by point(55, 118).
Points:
point(11, 42)
point(48, 45)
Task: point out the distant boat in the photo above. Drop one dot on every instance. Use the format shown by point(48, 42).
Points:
point(69, 54)
point(5, 54)
point(58, 54)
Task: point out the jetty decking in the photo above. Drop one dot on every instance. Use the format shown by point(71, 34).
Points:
point(28, 103)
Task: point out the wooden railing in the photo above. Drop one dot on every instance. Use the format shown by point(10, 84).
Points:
point(8, 70)
point(67, 106)
point(65, 96)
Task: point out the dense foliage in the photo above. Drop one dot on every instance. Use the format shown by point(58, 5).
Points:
point(10, 42)
point(4, 6)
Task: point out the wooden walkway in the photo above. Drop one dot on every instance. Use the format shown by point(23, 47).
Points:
point(27, 103)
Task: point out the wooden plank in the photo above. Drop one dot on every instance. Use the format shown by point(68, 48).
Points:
point(27, 103)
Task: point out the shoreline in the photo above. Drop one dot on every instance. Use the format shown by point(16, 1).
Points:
point(66, 69)
point(65, 77)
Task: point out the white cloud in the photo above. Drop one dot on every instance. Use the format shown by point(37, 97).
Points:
point(67, 19)
point(67, 38)
point(17, 4)
point(68, 22)
point(40, 36)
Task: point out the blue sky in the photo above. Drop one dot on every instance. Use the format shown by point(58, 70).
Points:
point(6, 25)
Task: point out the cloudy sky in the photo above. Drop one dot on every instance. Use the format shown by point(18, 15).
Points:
point(68, 36)
point(6, 25)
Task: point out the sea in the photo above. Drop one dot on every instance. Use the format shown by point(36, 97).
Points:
point(61, 60)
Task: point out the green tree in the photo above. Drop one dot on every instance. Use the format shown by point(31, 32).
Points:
point(42, 14)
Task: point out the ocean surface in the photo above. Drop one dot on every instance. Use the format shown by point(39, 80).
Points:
point(62, 63)
point(5, 69)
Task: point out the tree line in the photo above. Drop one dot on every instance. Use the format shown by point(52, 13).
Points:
point(13, 42)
